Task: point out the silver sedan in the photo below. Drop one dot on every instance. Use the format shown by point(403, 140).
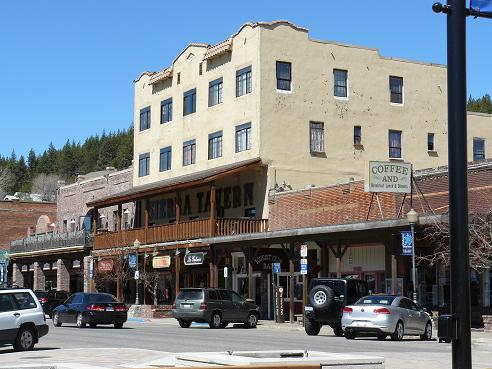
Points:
point(387, 315)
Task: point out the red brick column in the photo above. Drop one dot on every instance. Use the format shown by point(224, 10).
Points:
point(62, 276)
point(39, 278)
point(17, 277)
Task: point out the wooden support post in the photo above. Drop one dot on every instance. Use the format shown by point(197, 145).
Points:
point(339, 260)
point(212, 211)
point(177, 260)
point(250, 280)
point(146, 219)
point(291, 290)
point(211, 273)
point(119, 227)
point(177, 203)
point(393, 273)
point(118, 289)
point(94, 221)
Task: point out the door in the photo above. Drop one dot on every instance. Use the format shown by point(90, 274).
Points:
point(74, 307)
point(240, 310)
point(408, 315)
point(8, 324)
point(63, 314)
point(227, 306)
point(420, 318)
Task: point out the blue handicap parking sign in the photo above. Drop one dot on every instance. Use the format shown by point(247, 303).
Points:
point(276, 268)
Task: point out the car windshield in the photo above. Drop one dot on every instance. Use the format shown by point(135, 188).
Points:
point(96, 297)
point(376, 300)
point(190, 295)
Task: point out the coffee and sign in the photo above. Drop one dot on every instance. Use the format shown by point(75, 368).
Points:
point(194, 258)
point(389, 177)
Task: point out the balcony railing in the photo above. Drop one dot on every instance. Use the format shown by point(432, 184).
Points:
point(188, 230)
point(48, 241)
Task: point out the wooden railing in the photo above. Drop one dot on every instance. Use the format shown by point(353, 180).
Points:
point(187, 230)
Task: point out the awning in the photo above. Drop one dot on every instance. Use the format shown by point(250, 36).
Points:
point(177, 183)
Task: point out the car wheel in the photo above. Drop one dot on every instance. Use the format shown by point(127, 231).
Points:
point(118, 325)
point(25, 339)
point(349, 335)
point(92, 325)
point(80, 321)
point(381, 337)
point(427, 336)
point(56, 319)
point(321, 297)
point(184, 323)
point(215, 321)
point(312, 327)
point(252, 321)
point(338, 331)
point(397, 335)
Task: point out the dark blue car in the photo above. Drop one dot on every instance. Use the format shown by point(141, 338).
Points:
point(90, 308)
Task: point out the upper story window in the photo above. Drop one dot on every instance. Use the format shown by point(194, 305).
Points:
point(167, 110)
point(243, 137)
point(478, 149)
point(145, 118)
point(396, 89)
point(284, 76)
point(215, 145)
point(215, 92)
point(189, 152)
point(430, 142)
point(144, 164)
point(340, 83)
point(179, 78)
point(200, 69)
point(317, 136)
point(165, 159)
point(394, 144)
point(189, 102)
point(243, 81)
point(357, 135)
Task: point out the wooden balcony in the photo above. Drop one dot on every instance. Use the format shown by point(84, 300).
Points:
point(187, 230)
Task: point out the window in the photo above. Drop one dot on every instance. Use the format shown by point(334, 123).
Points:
point(166, 110)
point(212, 295)
point(243, 137)
point(6, 303)
point(24, 301)
point(340, 83)
point(145, 118)
point(215, 145)
point(243, 81)
point(284, 76)
point(430, 142)
point(200, 69)
point(77, 299)
point(395, 144)
point(250, 213)
point(179, 78)
point(357, 135)
point(143, 164)
point(189, 152)
point(396, 89)
point(478, 149)
point(316, 136)
point(165, 159)
point(189, 102)
point(215, 92)
point(65, 223)
point(225, 295)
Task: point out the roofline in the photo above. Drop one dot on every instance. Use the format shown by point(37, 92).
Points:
point(61, 250)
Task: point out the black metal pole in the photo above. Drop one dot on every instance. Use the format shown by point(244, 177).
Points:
point(458, 189)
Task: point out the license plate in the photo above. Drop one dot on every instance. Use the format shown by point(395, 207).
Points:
point(187, 306)
point(109, 309)
point(362, 324)
point(308, 308)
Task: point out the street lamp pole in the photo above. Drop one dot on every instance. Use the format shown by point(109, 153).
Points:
point(413, 218)
point(136, 244)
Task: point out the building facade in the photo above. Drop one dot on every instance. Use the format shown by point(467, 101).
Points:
point(56, 258)
point(269, 110)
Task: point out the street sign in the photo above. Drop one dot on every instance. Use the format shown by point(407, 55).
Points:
point(304, 266)
point(276, 268)
point(91, 269)
point(137, 275)
point(406, 243)
point(3, 272)
point(132, 261)
point(482, 6)
point(304, 251)
point(226, 272)
point(3, 255)
point(194, 258)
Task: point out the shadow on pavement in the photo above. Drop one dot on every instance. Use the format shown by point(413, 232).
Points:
point(7, 349)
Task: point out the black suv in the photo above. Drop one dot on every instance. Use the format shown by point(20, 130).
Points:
point(326, 299)
point(51, 299)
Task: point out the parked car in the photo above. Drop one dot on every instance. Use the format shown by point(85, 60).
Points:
point(51, 299)
point(22, 320)
point(326, 299)
point(217, 307)
point(385, 315)
point(91, 308)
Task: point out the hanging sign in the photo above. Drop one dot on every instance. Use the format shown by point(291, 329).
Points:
point(194, 258)
point(304, 250)
point(406, 243)
point(105, 265)
point(161, 262)
point(388, 177)
point(132, 261)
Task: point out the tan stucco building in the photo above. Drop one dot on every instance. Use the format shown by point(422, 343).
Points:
point(355, 125)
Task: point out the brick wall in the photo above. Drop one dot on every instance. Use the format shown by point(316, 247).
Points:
point(17, 216)
point(72, 199)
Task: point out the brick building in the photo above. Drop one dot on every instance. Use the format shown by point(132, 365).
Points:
point(57, 259)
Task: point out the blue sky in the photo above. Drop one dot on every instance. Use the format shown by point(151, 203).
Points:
point(67, 67)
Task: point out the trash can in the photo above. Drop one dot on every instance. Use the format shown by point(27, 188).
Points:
point(446, 328)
